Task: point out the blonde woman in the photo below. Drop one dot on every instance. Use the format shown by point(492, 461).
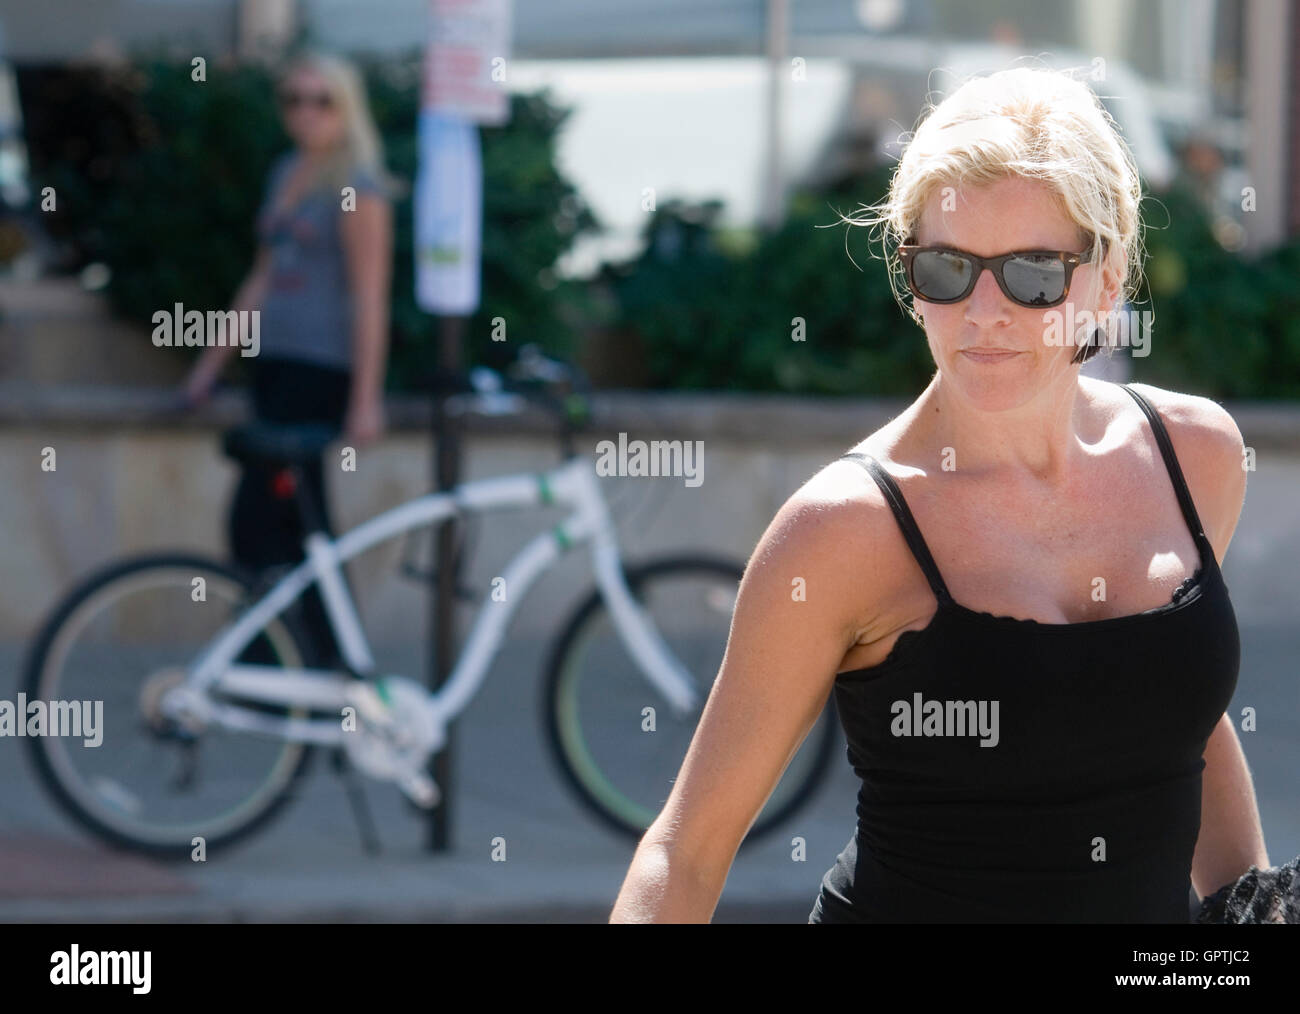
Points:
point(321, 282)
point(1013, 589)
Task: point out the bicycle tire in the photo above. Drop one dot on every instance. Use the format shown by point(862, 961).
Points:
point(587, 612)
point(31, 680)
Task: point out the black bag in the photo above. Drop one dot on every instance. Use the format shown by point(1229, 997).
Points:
point(1258, 896)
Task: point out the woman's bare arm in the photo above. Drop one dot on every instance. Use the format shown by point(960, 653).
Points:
point(208, 366)
point(367, 233)
point(796, 615)
point(1210, 448)
point(1231, 839)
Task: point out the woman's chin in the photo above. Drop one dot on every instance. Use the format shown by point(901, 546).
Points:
point(992, 385)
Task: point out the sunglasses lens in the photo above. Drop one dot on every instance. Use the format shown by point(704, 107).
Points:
point(939, 275)
point(318, 100)
point(1035, 281)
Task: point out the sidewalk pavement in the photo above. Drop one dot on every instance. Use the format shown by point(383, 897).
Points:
point(308, 863)
point(562, 866)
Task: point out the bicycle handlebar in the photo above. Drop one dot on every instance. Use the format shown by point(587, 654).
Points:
point(558, 388)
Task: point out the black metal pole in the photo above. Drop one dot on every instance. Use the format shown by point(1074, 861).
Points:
point(447, 452)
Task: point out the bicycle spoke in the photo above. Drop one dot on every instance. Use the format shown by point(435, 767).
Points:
point(614, 735)
point(124, 640)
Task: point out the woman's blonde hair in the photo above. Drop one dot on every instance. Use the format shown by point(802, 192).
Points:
point(1034, 123)
point(361, 151)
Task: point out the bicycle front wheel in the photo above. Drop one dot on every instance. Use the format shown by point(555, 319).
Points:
point(622, 759)
point(118, 641)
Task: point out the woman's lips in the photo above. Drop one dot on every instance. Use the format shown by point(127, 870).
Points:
point(989, 355)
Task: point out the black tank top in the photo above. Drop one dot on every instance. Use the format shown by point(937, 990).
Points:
point(1087, 807)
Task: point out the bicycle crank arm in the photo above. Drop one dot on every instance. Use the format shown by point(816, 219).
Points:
point(316, 689)
point(421, 790)
point(395, 735)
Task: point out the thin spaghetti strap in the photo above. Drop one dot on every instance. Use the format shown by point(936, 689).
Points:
point(894, 497)
point(1175, 472)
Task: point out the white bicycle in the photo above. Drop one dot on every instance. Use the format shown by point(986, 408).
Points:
point(212, 705)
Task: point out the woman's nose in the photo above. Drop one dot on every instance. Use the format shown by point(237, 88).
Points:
point(986, 304)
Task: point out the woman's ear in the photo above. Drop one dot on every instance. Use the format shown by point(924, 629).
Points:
point(1111, 288)
point(1113, 271)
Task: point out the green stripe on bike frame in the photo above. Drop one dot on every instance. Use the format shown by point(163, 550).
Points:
point(544, 489)
point(561, 537)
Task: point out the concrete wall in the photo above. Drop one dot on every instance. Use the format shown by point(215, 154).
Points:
point(131, 478)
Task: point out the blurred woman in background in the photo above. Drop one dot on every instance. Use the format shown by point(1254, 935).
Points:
point(320, 280)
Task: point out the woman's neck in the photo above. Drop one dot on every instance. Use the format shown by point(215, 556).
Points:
point(1042, 437)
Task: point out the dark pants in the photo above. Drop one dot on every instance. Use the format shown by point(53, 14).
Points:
point(265, 530)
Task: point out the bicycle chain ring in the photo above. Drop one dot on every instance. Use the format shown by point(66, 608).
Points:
point(394, 735)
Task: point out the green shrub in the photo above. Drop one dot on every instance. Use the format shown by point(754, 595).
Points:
point(161, 179)
point(712, 317)
point(1225, 325)
point(171, 210)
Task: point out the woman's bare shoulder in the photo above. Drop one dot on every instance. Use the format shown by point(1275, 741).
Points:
point(1211, 455)
point(1195, 416)
point(837, 506)
point(835, 541)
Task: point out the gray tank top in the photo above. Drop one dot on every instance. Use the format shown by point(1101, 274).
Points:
point(307, 309)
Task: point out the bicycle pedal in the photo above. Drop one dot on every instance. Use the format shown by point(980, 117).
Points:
point(422, 790)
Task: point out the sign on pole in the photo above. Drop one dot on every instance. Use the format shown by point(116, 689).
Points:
point(463, 86)
point(448, 216)
point(465, 62)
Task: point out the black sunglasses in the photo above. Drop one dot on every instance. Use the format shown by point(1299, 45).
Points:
point(293, 99)
point(1033, 278)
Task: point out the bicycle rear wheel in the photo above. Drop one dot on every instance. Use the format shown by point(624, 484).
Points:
point(595, 698)
point(118, 640)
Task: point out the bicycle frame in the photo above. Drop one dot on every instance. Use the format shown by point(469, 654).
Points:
point(573, 484)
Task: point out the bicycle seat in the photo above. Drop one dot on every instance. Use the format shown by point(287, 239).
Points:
point(278, 443)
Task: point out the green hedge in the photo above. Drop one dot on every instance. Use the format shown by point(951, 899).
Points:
point(710, 316)
point(160, 178)
point(167, 198)
point(1225, 325)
